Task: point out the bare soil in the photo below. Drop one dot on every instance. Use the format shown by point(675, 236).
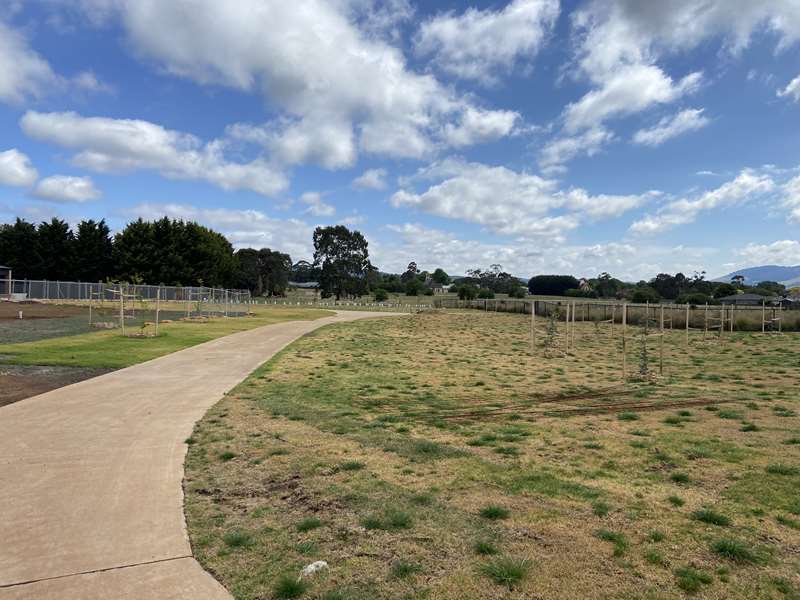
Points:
point(18, 382)
point(36, 310)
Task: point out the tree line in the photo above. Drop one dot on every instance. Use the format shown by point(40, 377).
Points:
point(176, 252)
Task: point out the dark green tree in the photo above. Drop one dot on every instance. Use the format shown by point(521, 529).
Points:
point(248, 271)
point(343, 259)
point(56, 250)
point(94, 251)
point(439, 276)
point(19, 249)
point(552, 285)
point(275, 268)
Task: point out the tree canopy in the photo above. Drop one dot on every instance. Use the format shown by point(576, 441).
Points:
point(343, 259)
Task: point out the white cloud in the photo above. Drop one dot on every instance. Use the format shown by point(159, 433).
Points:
point(477, 126)
point(781, 252)
point(508, 202)
point(123, 145)
point(23, 73)
point(748, 184)
point(478, 43)
point(88, 81)
point(432, 248)
point(244, 228)
point(340, 91)
point(791, 90)
point(16, 169)
point(562, 149)
point(619, 44)
point(791, 192)
point(667, 128)
point(371, 179)
point(628, 90)
point(316, 206)
point(65, 188)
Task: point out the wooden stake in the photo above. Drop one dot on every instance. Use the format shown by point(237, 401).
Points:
point(624, 354)
point(661, 346)
point(763, 316)
point(158, 307)
point(533, 326)
point(687, 324)
point(122, 310)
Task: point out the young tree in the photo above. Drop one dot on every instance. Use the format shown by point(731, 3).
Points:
point(93, 251)
point(343, 257)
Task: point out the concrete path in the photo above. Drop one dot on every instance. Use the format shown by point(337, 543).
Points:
point(91, 498)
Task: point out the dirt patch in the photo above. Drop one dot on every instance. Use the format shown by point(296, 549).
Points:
point(36, 310)
point(18, 382)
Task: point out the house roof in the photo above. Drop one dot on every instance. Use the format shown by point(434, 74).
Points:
point(304, 284)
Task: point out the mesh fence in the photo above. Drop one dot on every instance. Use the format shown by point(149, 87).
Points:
point(742, 318)
point(29, 289)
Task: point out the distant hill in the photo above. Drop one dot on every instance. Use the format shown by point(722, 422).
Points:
point(788, 276)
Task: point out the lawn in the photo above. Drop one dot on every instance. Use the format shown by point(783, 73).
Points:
point(432, 456)
point(108, 349)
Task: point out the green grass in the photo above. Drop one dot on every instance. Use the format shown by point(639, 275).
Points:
point(711, 517)
point(691, 580)
point(403, 568)
point(288, 587)
point(309, 524)
point(494, 513)
point(108, 349)
point(735, 550)
point(619, 540)
point(506, 570)
point(676, 500)
point(782, 469)
point(237, 539)
point(485, 548)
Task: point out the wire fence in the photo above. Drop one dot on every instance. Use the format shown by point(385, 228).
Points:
point(705, 316)
point(31, 289)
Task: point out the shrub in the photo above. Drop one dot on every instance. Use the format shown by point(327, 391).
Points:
point(679, 477)
point(402, 568)
point(381, 295)
point(618, 539)
point(485, 293)
point(676, 500)
point(227, 455)
point(467, 292)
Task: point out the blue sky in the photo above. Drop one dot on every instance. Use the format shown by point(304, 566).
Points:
point(547, 136)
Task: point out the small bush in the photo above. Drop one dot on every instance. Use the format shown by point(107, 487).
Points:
point(493, 512)
point(227, 455)
point(711, 517)
point(676, 500)
point(628, 416)
point(654, 557)
point(309, 524)
point(749, 427)
point(289, 587)
point(690, 580)
point(507, 571)
point(656, 536)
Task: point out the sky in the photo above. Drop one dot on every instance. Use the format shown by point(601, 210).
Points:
point(549, 137)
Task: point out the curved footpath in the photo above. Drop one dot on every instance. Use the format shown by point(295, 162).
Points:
point(91, 498)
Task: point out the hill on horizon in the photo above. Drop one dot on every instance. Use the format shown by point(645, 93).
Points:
point(788, 276)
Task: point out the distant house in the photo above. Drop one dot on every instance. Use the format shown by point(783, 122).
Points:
point(749, 300)
point(441, 289)
point(304, 285)
point(791, 302)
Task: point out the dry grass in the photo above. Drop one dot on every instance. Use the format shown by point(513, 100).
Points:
point(396, 434)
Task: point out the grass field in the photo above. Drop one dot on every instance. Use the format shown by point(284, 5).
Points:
point(431, 456)
point(108, 349)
